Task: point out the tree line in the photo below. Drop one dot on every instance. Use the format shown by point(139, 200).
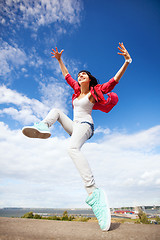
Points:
point(65, 217)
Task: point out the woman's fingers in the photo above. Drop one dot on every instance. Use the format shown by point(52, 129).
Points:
point(123, 50)
point(54, 50)
point(56, 54)
point(121, 53)
point(122, 45)
point(120, 49)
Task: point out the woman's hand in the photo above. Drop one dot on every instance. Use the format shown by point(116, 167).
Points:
point(57, 54)
point(128, 60)
point(124, 52)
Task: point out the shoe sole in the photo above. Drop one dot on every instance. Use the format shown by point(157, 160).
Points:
point(33, 132)
point(108, 213)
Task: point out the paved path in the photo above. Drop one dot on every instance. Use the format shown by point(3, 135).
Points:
point(33, 229)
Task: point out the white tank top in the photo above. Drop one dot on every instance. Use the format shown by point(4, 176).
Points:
point(83, 109)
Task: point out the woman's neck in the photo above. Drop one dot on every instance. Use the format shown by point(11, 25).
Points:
point(84, 89)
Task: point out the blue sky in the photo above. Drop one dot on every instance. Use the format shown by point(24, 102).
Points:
point(126, 144)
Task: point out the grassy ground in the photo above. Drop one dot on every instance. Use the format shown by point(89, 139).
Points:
point(123, 220)
point(116, 220)
point(120, 220)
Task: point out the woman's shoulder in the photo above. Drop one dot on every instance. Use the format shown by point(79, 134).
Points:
point(73, 83)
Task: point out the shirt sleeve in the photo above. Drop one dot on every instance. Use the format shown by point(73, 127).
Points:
point(108, 86)
point(73, 83)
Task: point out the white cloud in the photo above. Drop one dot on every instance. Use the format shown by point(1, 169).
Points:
point(19, 107)
point(10, 56)
point(34, 60)
point(149, 177)
point(55, 94)
point(144, 140)
point(15, 60)
point(34, 168)
point(2, 20)
point(102, 130)
point(42, 12)
point(8, 95)
point(158, 181)
point(24, 116)
point(24, 70)
point(26, 110)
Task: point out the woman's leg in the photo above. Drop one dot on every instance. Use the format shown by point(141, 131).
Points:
point(57, 115)
point(41, 130)
point(81, 133)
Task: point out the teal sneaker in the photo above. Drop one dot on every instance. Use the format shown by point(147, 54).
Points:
point(39, 130)
point(98, 201)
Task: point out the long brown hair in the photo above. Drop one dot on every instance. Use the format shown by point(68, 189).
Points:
point(94, 81)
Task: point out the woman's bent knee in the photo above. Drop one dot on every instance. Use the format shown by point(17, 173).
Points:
point(56, 110)
point(71, 150)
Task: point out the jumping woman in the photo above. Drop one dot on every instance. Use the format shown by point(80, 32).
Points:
point(88, 95)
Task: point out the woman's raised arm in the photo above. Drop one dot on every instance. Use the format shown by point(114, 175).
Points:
point(128, 60)
point(58, 55)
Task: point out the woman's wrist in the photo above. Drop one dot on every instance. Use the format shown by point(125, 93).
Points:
point(128, 60)
point(59, 59)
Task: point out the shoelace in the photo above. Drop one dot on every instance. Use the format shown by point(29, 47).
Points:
point(97, 208)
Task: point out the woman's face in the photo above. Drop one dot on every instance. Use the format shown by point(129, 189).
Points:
point(83, 78)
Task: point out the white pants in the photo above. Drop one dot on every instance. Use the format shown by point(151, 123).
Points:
point(79, 132)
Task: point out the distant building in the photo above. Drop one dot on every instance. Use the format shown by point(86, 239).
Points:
point(123, 212)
